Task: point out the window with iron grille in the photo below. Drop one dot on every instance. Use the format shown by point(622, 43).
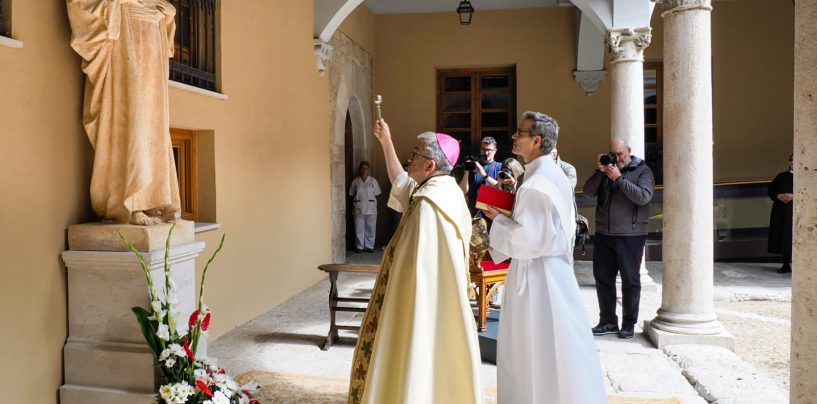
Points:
point(194, 56)
point(5, 27)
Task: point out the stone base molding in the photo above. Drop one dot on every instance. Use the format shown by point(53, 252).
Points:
point(661, 338)
point(106, 359)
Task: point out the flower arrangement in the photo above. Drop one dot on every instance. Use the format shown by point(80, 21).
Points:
point(185, 377)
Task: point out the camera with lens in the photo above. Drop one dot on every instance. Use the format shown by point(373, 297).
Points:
point(607, 159)
point(470, 162)
point(504, 175)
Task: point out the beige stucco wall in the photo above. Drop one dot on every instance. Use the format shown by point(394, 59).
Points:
point(272, 156)
point(271, 164)
point(752, 70)
point(359, 27)
point(542, 44)
point(45, 175)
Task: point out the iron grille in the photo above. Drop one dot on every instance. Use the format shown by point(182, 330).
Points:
point(194, 56)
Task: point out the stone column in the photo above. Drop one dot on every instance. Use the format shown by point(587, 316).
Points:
point(804, 276)
point(687, 312)
point(106, 358)
point(626, 50)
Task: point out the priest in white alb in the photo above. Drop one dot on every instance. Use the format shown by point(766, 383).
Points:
point(545, 350)
point(418, 339)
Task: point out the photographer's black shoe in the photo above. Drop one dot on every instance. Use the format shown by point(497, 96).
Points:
point(786, 268)
point(604, 329)
point(626, 333)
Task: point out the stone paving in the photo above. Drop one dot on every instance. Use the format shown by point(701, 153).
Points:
point(287, 339)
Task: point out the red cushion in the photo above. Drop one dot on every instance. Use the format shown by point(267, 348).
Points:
point(490, 266)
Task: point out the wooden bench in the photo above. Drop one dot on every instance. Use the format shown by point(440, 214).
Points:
point(333, 270)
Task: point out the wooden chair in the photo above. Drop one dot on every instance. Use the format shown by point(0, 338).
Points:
point(482, 270)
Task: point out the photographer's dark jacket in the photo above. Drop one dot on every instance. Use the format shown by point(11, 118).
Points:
point(622, 207)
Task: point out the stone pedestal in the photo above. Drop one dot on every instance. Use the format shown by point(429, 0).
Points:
point(105, 357)
point(687, 313)
point(804, 260)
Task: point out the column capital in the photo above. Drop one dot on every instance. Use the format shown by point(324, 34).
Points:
point(674, 6)
point(628, 44)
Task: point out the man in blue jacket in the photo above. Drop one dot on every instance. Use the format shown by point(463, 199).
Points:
point(624, 187)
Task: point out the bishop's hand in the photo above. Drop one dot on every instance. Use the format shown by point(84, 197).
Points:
point(381, 131)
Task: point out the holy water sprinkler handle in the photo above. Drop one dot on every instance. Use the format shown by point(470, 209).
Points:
point(377, 102)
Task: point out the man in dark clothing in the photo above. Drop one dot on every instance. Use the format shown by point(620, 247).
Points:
point(623, 191)
point(780, 224)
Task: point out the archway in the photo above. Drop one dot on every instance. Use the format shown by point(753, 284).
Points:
point(350, 84)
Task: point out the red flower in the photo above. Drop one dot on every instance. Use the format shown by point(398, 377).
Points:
point(194, 319)
point(188, 351)
point(221, 371)
point(204, 389)
point(205, 324)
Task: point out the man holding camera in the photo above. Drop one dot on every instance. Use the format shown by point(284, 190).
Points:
point(478, 171)
point(623, 185)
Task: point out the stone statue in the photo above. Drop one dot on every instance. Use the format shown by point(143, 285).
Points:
point(125, 46)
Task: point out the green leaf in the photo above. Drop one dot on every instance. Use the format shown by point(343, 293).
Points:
point(147, 329)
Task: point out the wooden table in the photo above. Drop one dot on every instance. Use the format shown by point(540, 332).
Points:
point(333, 270)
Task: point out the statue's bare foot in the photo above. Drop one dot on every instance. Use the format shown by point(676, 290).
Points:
point(165, 214)
point(141, 219)
point(171, 215)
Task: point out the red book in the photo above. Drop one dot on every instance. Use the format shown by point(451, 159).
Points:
point(498, 199)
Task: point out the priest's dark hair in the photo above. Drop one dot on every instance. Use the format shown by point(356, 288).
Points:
point(545, 127)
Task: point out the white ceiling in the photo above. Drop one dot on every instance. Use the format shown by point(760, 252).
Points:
point(433, 6)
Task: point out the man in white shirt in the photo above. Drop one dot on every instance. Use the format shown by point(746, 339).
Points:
point(364, 192)
point(545, 351)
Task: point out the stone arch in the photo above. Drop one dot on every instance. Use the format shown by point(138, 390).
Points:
point(350, 84)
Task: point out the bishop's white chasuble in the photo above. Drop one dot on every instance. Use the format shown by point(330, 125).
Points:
point(418, 339)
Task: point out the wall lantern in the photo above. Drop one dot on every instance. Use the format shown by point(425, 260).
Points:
point(466, 11)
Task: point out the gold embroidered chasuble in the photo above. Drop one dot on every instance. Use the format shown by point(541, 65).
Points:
point(418, 340)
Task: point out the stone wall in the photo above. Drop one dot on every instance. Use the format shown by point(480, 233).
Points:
point(350, 87)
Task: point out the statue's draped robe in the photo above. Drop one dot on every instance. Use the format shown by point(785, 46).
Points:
point(125, 46)
point(545, 349)
point(418, 340)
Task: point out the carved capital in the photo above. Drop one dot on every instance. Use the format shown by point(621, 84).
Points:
point(323, 51)
point(589, 80)
point(628, 44)
point(674, 6)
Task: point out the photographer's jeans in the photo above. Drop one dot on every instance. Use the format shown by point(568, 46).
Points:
point(613, 255)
